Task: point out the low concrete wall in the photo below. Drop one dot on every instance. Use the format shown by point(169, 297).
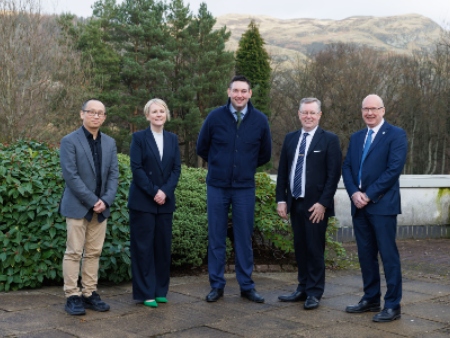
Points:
point(425, 208)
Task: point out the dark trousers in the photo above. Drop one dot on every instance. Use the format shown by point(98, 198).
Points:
point(150, 246)
point(242, 201)
point(309, 245)
point(376, 234)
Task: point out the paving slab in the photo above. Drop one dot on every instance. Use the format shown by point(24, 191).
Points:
point(259, 325)
point(425, 307)
point(11, 302)
point(344, 330)
point(409, 326)
point(200, 332)
point(51, 333)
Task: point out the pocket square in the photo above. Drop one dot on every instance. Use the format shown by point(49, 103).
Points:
point(317, 151)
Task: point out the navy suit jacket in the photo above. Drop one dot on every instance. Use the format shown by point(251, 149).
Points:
point(381, 169)
point(323, 169)
point(150, 173)
point(78, 170)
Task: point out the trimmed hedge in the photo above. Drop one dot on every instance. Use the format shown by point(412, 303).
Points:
point(33, 233)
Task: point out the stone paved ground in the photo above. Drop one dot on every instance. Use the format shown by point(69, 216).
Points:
point(426, 258)
point(425, 306)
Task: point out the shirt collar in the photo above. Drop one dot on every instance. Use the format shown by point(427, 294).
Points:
point(377, 128)
point(243, 111)
point(88, 134)
point(311, 133)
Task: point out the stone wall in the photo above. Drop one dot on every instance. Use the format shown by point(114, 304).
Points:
point(425, 208)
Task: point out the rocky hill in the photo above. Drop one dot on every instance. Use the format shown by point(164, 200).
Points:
point(287, 39)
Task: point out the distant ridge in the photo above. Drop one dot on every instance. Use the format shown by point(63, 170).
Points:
point(290, 38)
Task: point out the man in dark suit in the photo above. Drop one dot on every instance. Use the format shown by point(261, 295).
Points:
point(90, 170)
point(371, 170)
point(308, 175)
point(234, 140)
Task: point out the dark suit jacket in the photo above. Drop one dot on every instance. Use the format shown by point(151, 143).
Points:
point(79, 174)
point(381, 169)
point(150, 173)
point(323, 169)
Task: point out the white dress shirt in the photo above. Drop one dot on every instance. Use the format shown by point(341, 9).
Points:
point(294, 161)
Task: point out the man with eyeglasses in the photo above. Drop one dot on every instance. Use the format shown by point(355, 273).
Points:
point(308, 174)
point(371, 170)
point(90, 170)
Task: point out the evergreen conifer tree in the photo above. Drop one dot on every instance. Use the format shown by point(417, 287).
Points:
point(253, 61)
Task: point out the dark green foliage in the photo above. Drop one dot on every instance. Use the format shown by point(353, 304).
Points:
point(273, 236)
point(190, 232)
point(334, 251)
point(253, 61)
point(30, 229)
point(271, 231)
point(202, 69)
point(115, 262)
point(137, 50)
point(33, 233)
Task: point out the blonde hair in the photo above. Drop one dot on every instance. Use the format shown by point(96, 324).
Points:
point(158, 102)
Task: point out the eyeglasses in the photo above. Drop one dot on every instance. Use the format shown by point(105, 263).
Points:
point(373, 110)
point(310, 113)
point(92, 113)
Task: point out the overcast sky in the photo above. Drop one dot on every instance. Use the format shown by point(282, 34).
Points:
point(438, 10)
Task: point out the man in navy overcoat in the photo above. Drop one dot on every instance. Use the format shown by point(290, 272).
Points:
point(234, 140)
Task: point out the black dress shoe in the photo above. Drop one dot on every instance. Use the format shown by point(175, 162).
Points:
point(94, 302)
point(387, 315)
point(214, 295)
point(363, 306)
point(252, 295)
point(74, 306)
point(311, 303)
point(296, 296)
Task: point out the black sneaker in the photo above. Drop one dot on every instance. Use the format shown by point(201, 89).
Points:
point(74, 306)
point(95, 303)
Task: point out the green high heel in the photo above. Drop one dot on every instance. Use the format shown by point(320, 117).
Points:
point(161, 299)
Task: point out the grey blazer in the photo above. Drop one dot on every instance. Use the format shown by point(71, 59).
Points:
point(79, 174)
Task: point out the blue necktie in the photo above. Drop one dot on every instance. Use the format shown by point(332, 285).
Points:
point(299, 168)
point(364, 154)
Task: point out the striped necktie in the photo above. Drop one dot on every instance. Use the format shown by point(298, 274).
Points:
point(299, 168)
point(239, 118)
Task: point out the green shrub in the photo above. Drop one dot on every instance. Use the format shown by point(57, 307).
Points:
point(30, 229)
point(190, 223)
point(33, 233)
point(115, 262)
point(273, 236)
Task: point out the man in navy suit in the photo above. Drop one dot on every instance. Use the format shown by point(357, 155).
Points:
point(90, 170)
point(234, 140)
point(371, 170)
point(308, 175)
